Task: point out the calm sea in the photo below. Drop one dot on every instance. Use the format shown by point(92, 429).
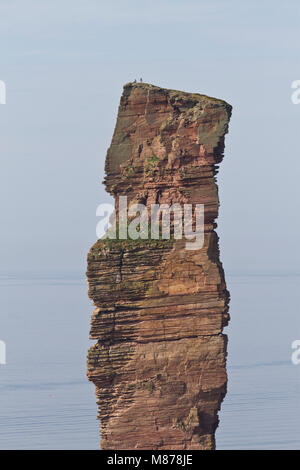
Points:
point(47, 403)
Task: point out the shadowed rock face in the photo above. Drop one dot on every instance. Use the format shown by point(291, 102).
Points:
point(159, 363)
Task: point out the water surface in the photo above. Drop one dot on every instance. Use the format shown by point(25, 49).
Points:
point(47, 403)
point(262, 407)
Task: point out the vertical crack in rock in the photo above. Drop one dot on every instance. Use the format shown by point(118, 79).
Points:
point(159, 363)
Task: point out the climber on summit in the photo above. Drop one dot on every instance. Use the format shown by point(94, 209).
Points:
point(141, 80)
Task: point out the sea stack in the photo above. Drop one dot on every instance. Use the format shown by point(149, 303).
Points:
point(159, 361)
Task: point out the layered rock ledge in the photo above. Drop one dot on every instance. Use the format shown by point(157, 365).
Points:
point(159, 361)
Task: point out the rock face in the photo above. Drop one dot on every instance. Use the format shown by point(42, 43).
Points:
point(159, 363)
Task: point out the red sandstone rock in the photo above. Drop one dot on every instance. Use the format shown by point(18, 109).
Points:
point(159, 364)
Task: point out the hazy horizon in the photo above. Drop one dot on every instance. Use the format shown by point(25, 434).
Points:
point(64, 65)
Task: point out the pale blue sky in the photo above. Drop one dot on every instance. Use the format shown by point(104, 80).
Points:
point(64, 63)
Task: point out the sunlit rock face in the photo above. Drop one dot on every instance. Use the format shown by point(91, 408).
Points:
point(159, 361)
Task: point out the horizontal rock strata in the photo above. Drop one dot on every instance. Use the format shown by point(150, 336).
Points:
point(159, 361)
